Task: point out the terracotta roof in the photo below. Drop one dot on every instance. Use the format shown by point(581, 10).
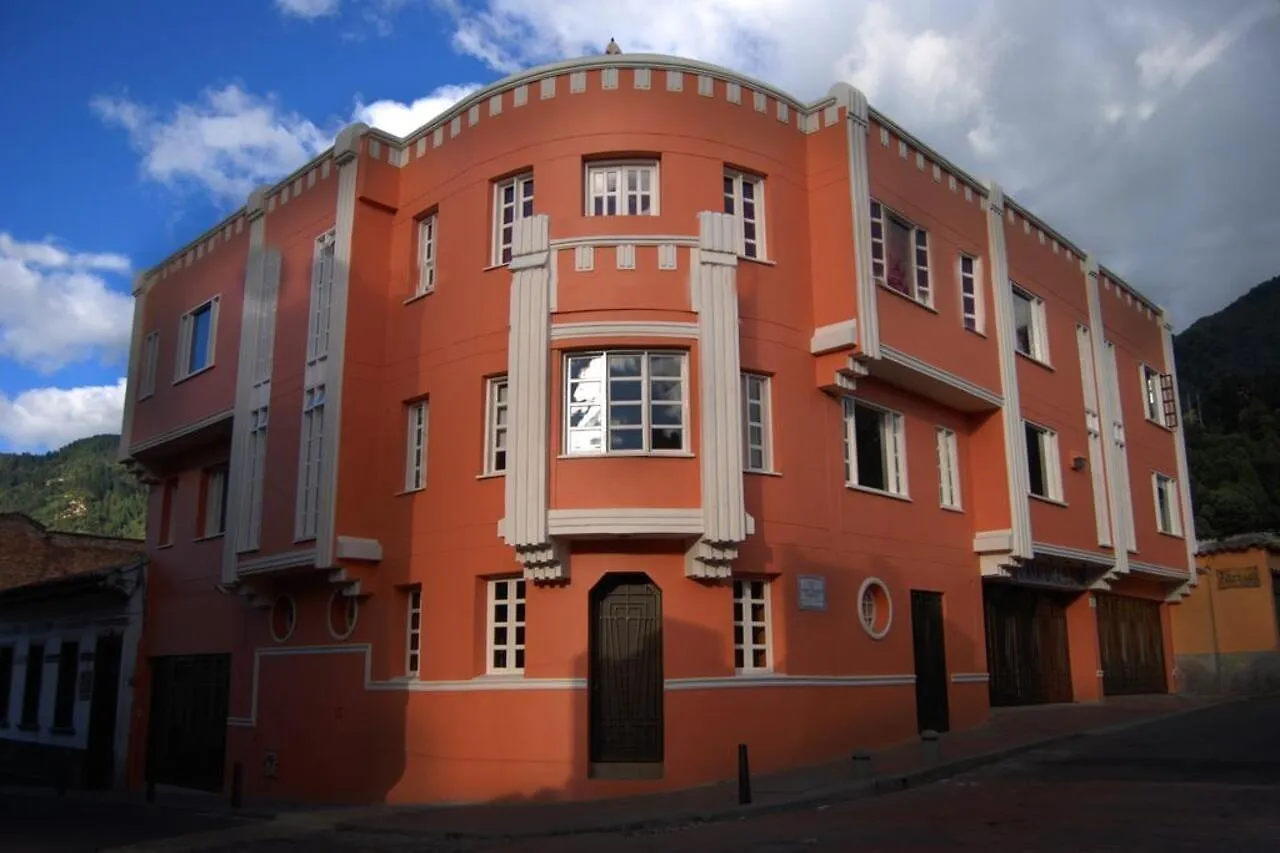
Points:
point(1240, 542)
point(30, 553)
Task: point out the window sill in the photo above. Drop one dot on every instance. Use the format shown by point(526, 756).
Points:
point(418, 296)
point(1047, 500)
point(631, 454)
point(1156, 423)
point(881, 492)
point(493, 267)
point(1031, 358)
point(761, 472)
point(193, 374)
point(210, 537)
point(763, 672)
point(916, 302)
point(956, 509)
point(164, 545)
point(28, 727)
point(1177, 536)
point(142, 398)
point(764, 262)
point(62, 731)
point(404, 492)
point(302, 540)
point(977, 332)
point(490, 475)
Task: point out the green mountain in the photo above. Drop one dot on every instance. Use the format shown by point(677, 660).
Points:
point(80, 488)
point(1229, 379)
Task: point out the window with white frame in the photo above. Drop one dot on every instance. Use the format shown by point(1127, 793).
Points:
point(625, 402)
point(196, 332)
point(948, 469)
point(310, 467)
point(496, 426)
point(506, 625)
point(744, 198)
point(751, 652)
point(215, 501)
point(622, 189)
point(415, 463)
point(150, 357)
point(321, 297)
point(413, 634)
point(247, 538)
point(971, 308)
point(1152, 394)
point(1168, 510)
point(900, 254)
point(1031, 335)
point(1043, 463)
point(426, 255)
point(874, 448)
point(512, 201)
point(757, 445)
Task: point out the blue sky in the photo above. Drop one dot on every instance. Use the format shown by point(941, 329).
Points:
point(135, 126)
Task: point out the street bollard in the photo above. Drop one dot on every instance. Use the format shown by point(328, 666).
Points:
point(237, 785)
point(930, 740)
point(862, 765)
point(744, 776)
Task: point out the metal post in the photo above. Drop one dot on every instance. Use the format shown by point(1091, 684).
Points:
point(237, 785)
point(744, 776)
point(930, 739)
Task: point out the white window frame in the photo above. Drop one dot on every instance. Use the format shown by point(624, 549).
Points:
point(182, 361)
point(921, 281)
point(310, 464)
point(428, 249)
point(1050, 458)
point(620, 195)
point(150, 358)
point(418, 422)
point(413, 633)
point(320, 307)
point(1039, 331)
point(1163, 483)
point(513, 646)
point(974, 320)
point(735, 202)
point(948, 469)
point(744, 647)
point(215, 501)
point(259, 420)
point(894, 443)
point(757, 410)
point(503, 244)
point(1152, 393)
point(497, 424)
point(646, 403)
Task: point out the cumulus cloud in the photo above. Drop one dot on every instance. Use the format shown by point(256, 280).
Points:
point(308, 10)
point(403, 119)
point(47, 418)
point(55, 306)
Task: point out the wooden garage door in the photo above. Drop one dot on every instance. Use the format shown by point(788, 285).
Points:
point(186, 744)
point(1132, 645)
point(1027, 651)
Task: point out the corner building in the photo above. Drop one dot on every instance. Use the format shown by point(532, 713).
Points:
point(630, 411)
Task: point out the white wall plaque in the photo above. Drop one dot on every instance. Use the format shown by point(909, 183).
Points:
point(812, 592)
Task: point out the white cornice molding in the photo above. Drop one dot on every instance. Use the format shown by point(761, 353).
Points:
point(599, 240)
point(638, 329)
point(625, 521)
point(276, 562)
point(946, 377)
point(1044, 549)
point(1162, 572)
point(181, 431)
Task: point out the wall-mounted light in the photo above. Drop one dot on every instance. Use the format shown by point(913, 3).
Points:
point(1077, 463)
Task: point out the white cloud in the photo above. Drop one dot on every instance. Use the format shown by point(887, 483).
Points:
point(54, 307)
point(403, 119)
point(48, 418)
point(308, 10)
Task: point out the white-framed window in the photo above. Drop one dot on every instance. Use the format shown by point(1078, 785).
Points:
point(257, 459)
point(875, 448)
point(1030, 331)
point(1168, 508)
point(322, 269)
point(622, 189)
point(971, 307)
point(948, 469)
point(197, 330)
point(413, 633)
point(215, 501)
point(415, 463)
point(752, 650)
point(512, 201)
point(310, 467)
point(1153, 394)
point(900, 254)
point(150, 357)
point(757, 423)
point(626, 401)
point(497, 427)
point(427, 247)
point(744, 198)
point(1043, 462)
point(506, 625)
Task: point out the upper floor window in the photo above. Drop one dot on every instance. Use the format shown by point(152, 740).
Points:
point(147, 374)
point(1158, 397)
point(948, 469)
point(900, 254)
point(322, 269)
point(426, 255)
point(874, 448)
point(1168, 511)
point(214, 522)
point(512, 201)
point(496, 426)
point(415, 466)
point(744, 198)
point(622, 189)
point(506, 625)
point(971, 308)
point(757, 446)
point(1031, 334)
point(1043, 464)
point(625, 402)
point(310, 464)
point(196, 332)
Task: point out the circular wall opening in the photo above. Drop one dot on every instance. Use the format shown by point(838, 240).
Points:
point(875, 608)
point(284, 618)
point(343, 612)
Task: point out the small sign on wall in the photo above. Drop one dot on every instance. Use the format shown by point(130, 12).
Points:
point(812, 592)
point(1246, 578)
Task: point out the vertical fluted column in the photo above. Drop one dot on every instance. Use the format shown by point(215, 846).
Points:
point(1117, 493)
point(857, 127)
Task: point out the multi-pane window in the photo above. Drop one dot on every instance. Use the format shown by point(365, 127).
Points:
point(309, 470)
point(413, 635)
point(415, 464)
point(874, 448)
point(900, 254)
point(622, 189)
point(751, 626)
point(150, 357)
point(948, 469)
point(321, 297)
point(757, 450)
point(512, 201)
point(196, 331)
point(496, 426)
point(256, 457)
point(1168, 512)
point(215, 501)
point(1043, 463)
point(1030, 333)
point(744, 198)
point(32, 685)
point(6, 682)
point(970, 294)
point(620, 402)
point(426, 255)
point(64, 697)
point(1152, 397)
point(506, 625)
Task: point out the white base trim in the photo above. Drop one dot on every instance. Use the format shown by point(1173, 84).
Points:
point(782, 679)
point(970, 677)
point(626, 521)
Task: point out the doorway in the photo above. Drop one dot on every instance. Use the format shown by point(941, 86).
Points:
point(1027, 651)
point(929, 642)
point(187, 730)
point(100, 754)
point(1131, 643)
point(625, 678)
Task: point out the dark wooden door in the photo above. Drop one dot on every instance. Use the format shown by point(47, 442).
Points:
point(101, 750)
point(1131, 641)
point(1027, 652)
point(625, 671)
point(929, 642)
point(187, 736)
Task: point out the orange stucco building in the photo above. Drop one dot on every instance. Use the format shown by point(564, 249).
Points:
point(629, 411)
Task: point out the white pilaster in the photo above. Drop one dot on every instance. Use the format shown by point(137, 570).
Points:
point(1094, 429)
point(857, 126)
point(1112, 423)
point(1180, 448)
point(140, 287)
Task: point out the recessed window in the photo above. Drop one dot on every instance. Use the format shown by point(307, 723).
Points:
point(496, 426)
point(900, 255)
point(415, 464)
point(283, 618)
point(622, 189)
point(426, 255)
point(310, 468)
point(64, 697)
point(1042, 462)
point(32, 685)
point(413, 641)
point(215, 501)
point(751, 651)
point(757, 449)
point(506, 625)
point(196, 333)
point(321, 306)
point(1168, 511)
point(948, 469)
point(625, 402)
point(874, 448)
point(744, 198)
point(971, 308)
point(512, 201)
point(1031, 336)
point(150, 357)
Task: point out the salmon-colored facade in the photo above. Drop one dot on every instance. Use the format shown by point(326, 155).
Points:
point(630, 411)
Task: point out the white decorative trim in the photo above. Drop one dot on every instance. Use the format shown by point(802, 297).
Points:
point(992, 541)
point(782, 679)
point(1093, 430)
point(856, 129)
point(640, 329)
point(133, 381)
point(1112, 422)
point(599, 240)
point(888, 622)
point(347, 601)
point(946, 377)
point(184, 430)
point(273, 562)
point(1042, 549)
point(624, 521)
point(1180, 450)
point(970, 677)
point(834, 336)
point(1159, 571)
point(356, 548)
point(271, 617)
